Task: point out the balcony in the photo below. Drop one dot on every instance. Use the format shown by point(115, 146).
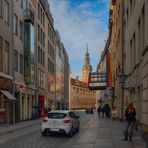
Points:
point(29, 16)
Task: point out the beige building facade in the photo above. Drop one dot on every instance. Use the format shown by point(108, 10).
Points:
point(6, 68)
point(136, 56)
point(80, 95)
point(128, 41)
point(115, 45)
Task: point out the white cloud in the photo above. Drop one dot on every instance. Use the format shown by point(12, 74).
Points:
point(77, 27)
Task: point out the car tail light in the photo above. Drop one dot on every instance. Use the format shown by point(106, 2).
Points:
point(66, 121)
point(44, 120)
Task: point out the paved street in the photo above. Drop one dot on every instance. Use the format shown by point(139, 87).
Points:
point(94, 133)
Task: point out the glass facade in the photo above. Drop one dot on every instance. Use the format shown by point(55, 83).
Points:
point(29, 53)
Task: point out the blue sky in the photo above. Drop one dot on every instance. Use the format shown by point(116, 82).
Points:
point(80, 22)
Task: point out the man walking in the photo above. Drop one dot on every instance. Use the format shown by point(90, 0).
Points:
point(99, 110)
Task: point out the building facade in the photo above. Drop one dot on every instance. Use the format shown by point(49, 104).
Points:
point(115, 45)
point(28, 59)
point(128, 39)
point(103, 96)
point(7, 99)
point(136, 56)
point(80, 95)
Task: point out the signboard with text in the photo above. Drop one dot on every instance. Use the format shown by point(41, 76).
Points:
point(97, 80)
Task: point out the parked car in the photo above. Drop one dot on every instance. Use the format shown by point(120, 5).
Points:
point(89, 111)
point(61, 121)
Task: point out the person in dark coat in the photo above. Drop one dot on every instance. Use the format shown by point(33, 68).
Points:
point(130, 114)
point(99, 110)
point(103, 111)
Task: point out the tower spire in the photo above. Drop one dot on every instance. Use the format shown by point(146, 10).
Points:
point(86, 67)
point(87, 49)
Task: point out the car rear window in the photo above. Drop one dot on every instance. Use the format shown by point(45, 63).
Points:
point(56, 115)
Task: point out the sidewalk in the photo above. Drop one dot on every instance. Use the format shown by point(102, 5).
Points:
point(4, 129)
point(105, 133)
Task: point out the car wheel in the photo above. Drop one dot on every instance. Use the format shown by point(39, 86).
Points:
point(45, 132)
point(70, 134)
point(78, 128)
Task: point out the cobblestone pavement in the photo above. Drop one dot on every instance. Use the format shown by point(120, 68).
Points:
point(94, 133)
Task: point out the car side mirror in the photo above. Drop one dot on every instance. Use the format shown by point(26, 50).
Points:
point(77, 117)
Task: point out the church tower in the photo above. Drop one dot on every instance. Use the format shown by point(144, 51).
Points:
point(86, 67)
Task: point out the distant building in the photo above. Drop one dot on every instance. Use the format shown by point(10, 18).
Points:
point(80, 95)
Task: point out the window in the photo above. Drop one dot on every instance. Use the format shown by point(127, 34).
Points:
point(48, 65)
point(41, 16)
point(6, 58)
point(143, 28)
point(43, 59)
point(39, 78)
point(21, 30)
point(134, 49)
point(24, 4)
point(48, 29)
point(16, 59)
point(48, 47)
point(21, 64)
point(56, 115)
point(72, 115)
point(43, 39)
point(1, 101)
point(1, 10)
point(6, 12)
point(43, 20)
point(39, 54)
point(139, 38)
point(1, 53)
point(21, 3)
point(15, 25)
point(131, 60)
point(38, 33)
point(38, 11)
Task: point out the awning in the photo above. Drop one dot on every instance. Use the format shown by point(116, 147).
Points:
point(8, 95)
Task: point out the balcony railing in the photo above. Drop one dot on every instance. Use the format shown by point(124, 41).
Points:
point(29, 16)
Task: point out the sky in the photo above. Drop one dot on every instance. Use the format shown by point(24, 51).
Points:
point(81, 22)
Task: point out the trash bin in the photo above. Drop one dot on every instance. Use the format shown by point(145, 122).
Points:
point(35, 113)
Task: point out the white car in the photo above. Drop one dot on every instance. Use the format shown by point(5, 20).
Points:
point(61, 121)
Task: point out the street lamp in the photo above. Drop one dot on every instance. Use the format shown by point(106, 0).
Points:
point(122, 77)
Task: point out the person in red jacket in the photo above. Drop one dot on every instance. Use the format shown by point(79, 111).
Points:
point(130, 114)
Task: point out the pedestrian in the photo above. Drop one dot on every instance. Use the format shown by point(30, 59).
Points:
point(99, 110)
point(130, 114)
point(103, 111)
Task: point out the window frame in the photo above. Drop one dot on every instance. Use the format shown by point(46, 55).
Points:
point(6, 15)
point(15, 24)
point(1, 9)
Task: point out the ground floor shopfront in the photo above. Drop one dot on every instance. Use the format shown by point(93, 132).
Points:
point(7, 101)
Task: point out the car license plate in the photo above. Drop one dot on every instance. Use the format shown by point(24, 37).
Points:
point(54, 129)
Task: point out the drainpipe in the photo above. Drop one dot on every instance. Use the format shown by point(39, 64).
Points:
point(13, 71)
point(122, 58)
